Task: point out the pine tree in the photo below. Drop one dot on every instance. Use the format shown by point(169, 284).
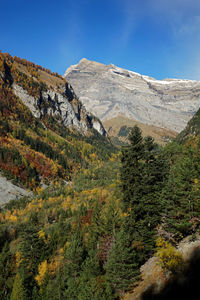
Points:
point(74, 256)
point(131, 170)
point(5, 274)
point(122, 264)
point(143, 174)
point(18, 292)
point(33, 250)
point(179, 196)
point(92, 283)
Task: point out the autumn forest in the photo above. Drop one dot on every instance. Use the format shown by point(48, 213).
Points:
point(96, 212)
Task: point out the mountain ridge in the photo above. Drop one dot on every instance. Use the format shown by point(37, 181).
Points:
point(109, 90)
point(45, 131)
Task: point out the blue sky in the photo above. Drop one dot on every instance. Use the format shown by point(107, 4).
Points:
point(159, 38)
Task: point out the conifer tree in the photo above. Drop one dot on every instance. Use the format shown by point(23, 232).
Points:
point(18, 292)
point(5, 274)
point(122, 265)
point(131, 170)
point(180, 197)
point(33, 250)
point(143, 173)
point(74, 256)
point(92, 283)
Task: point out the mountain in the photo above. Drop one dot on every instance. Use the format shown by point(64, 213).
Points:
point(98, 224)
point(110, 91)
point(46, 93)
point(45, 131)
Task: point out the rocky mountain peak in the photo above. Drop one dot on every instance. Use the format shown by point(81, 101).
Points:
point(110, 91)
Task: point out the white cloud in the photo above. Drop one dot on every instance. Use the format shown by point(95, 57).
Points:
point(131, 12)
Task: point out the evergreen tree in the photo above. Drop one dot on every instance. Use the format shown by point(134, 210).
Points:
point(74, 256)
point(33, 250)
point(122, 264)
point(180, 196)
point(143, 174)
point(131, 170)
point(92, 283)
point(18, 292)
point(5, 274)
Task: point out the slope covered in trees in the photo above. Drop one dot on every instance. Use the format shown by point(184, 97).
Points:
point(88, 237)
point(36, 151)
point(88, 240)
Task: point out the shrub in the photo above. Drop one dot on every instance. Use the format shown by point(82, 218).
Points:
point(170, 258)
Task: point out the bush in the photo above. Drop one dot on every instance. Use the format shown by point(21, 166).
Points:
point(170, 258)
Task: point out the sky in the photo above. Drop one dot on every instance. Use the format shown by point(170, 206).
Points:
point(159, 38)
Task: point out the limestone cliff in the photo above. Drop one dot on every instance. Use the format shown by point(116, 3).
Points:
point(48, 94)
point(109, 91)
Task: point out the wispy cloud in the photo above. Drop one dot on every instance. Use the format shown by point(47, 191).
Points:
point(70, 43)
point(181, 16)
point(131, 13)
point(181, 19)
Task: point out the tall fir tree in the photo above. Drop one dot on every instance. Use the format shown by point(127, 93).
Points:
point(18, 291)
point(143, 174)
point(122, 264)
point(74, 256)
point(131, 170)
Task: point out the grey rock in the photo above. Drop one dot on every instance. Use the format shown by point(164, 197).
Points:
point(9, 191)
point(109, 91)
point(64, 105)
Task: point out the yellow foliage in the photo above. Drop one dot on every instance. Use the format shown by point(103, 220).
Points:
point(10, 217)
point(67, 244)
point(39, 190)
point(42, 269)
point(61, 251)
point(55, 264)
point(41, 235)
point(170, 258)
point(18, 258)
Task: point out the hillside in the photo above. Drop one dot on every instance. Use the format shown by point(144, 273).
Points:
point(114, 232)
point(45, 132)
point(119, 128)
point(110, 91)
point(192, 129)
point(100, 222)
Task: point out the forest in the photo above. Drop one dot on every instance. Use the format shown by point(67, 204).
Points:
point(97, 212)
point(88, 239)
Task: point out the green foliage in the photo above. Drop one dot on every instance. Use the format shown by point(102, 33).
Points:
point(124, 131)
point(6, 281)
point(143, 174)
point(18, 292)
point(86, 238)
point(192, 129)
point(122, 265)
point(180, 194)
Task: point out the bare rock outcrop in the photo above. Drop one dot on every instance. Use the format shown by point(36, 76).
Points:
point(109, 91)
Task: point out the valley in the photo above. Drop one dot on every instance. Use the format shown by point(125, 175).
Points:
point(105, 209)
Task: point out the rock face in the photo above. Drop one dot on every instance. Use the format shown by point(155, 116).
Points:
point(51, 100)
point(9, 191)
point(47, 94)
point(109, 91)
point(156, 283)
point(64, 105)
